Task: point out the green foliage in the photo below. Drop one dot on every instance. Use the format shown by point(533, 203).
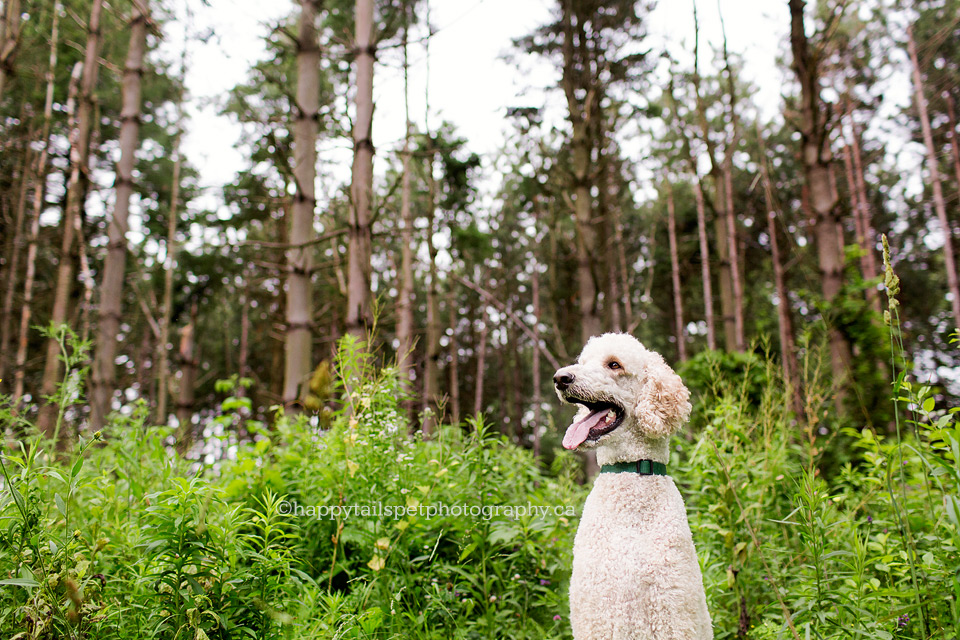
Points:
point(120, 539)
point(349, 530)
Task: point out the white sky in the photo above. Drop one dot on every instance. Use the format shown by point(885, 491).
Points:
point(470, 85)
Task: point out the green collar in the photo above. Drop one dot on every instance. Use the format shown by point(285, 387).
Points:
point(643, 467)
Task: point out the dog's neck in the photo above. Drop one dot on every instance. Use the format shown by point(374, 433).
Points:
point(632, 448)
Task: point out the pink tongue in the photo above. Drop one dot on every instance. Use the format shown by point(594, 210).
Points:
point(579, 431)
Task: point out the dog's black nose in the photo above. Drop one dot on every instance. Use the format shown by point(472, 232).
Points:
point(563, 380)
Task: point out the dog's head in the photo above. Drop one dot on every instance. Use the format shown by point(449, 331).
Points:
point(628, 396)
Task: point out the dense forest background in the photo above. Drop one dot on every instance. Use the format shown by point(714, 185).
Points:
point(793, 262)
point(723, 230)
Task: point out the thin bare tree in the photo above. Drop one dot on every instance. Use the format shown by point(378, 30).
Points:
point(405, 301)
point(431, 377)
point(939, 203)
point(675, 275)
point(28, 178)
point(103, 375)
point(76, 194)
point(788, 347)
point(361, 190)
point(38, 197)
point(868, 243)
point(817, 158)
point(721, 176)
point(481, 358)
point(453, 370)
point(705, 264)
point(188, 381)
point(583, 108)
point(299, 304)
point(169, 266)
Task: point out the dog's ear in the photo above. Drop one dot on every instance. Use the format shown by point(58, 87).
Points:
point(664, 404)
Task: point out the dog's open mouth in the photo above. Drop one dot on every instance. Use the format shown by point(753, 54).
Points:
point(603, 418)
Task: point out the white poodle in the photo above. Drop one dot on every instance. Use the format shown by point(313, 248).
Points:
point(635, 570)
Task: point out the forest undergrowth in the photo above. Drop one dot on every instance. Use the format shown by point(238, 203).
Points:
point(805, 528)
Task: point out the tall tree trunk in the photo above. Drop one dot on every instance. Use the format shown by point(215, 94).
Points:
point(730, 214)
point(939, 203)
point(675, 276)
point(854, 201)
point(537, 383)
point(405, 328)
point(816, 157)
point(361, 191)
point(705, 265)
point(952, 123)
point(299, 307)
point(431, 378)
point(481, 360)
point(243, 358)
point(28, 176)
point(454, 317)
point(580, 112)
point(869, 242)
point(510, 366)
point(142, 358)
point(617, 223)
point(607, 237)
point(788, 347)
point(76, 192)
point(9, 41)
point(736, 285)
point(38, 198)
point(732, 315)
point(169, 264)
point(188, 381)
point(103, 375)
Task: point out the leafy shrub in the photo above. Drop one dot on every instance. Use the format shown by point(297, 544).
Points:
point(122, 539)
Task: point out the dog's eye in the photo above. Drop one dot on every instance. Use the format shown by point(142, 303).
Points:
point(613, 364)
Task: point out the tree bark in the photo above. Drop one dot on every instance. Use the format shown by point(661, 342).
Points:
point(869, 244)
point(617, 223)
point(580, 113)
point(606, 201)
point(537, 383)
point(76, 193)
point(28, 176)
point(431, 378)
point(730, 214)
point(9, 41)
point(38, 199)
point(188, 380)
point(675, 276)
point(361, 192)
point(243, 358)
point(103, 375)
point(939, 203)
point(405, 328)
point(816, 157)
point(169, 264)
point(481, 360)
point(454, 370)
point(299, 307)
point(788, 347)
point(952, 123)
point(705, 265)
point(732, 314)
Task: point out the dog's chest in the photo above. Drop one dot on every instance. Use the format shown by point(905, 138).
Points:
point(631, 520)
point(635, 570)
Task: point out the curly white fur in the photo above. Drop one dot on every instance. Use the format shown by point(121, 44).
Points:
point(635, 569)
